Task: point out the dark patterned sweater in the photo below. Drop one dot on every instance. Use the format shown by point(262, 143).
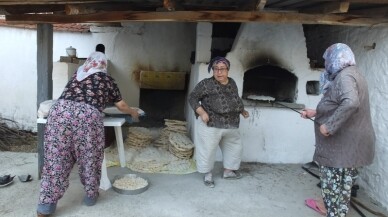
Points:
point(221, 102)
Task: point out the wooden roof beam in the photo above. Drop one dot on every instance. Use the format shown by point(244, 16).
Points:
point(199, 16)
point(329, 8)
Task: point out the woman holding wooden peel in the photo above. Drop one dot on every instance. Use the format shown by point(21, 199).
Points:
point(345, 138)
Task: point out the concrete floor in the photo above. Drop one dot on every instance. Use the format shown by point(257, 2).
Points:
point(264, 191)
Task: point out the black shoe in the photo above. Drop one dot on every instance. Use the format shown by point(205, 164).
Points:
point(6, 180)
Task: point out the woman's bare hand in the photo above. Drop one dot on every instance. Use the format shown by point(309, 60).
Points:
point(123, 107)
point(203, 114)
point(323, 130)
point(245, 114)
point(134, 114)
point(308, 113)
point(205, 117)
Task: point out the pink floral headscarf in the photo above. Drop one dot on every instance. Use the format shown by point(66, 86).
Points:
point(96, 62)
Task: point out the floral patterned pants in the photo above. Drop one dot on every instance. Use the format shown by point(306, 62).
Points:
point(74, 133)
point(336, 186)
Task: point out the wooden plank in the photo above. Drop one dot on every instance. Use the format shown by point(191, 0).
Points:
point(162, 80)
point(372, 12)
point(52, 2)
point(285, 4)
point(355, 1)
point(169, 5)
point(48, 2)
point(200, 16)
point(260, 4)
point(22, 9)
point(78, 9)
point(45, 81)
point(329, 8)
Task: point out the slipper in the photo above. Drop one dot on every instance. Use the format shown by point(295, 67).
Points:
point(232, 175)
point(209, 183)
point(311, 165)
point(25, 178)
point(313, 205)
point(6, 180)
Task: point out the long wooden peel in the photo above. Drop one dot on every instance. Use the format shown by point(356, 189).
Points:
point(294, 111)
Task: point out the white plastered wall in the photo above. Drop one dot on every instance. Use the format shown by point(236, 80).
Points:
point(19, 70)
point(18, 76)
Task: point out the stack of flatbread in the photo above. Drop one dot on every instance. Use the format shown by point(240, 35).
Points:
point(138, 137)
point(171, 126)
point(162, 140)
point(176, 126)
point(180, 145)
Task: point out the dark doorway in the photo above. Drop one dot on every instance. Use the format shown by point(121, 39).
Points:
point(162, 104)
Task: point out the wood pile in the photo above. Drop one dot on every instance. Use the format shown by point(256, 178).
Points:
point(11, 137)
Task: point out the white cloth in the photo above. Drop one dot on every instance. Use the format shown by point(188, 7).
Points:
point(44, 108)
point(209, 139)
point(105, 183)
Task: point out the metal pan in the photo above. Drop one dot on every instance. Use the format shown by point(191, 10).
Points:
point(130, 192)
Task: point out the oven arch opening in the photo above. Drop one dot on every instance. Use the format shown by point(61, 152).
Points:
point(270, 82)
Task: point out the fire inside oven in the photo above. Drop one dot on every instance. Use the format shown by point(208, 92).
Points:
point(270, 82)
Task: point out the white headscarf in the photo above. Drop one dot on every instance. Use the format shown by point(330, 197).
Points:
point(96, 62)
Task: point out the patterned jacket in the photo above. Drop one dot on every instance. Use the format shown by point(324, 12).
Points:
point(345, 110)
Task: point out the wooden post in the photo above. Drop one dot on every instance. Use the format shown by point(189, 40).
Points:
point(45, 81)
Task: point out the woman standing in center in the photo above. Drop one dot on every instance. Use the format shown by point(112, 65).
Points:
point(216, 101)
